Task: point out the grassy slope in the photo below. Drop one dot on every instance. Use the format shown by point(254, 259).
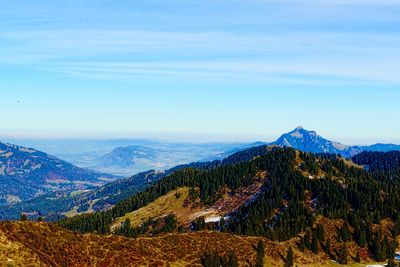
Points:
point(164, 205)
point(187, 210)
point(42, 244)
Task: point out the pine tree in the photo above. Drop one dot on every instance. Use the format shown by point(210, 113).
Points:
point(343, 254)
point(23, 217)
point(222, 224)
point(358, 257)
point(301, 244)
point(307, 239)
point(260, 253)
point(232, 260)
point(345, 232)
point(360, 237)
point(289, 258)
point(392, 263)
point(320, 232)
point(327, 247)
point(314, 245)
point(199, 224)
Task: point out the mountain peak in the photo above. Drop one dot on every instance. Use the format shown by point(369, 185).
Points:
point(310, 141)
point(299, 132)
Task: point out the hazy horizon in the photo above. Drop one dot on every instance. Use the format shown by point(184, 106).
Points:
point(174, 137)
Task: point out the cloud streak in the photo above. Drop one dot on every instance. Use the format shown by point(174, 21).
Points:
point(213, 55)
point(294, 40)
point(254, 71)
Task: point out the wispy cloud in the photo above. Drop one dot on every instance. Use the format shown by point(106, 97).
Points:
point(255, 71)
point(224, 55)
point(268, 40)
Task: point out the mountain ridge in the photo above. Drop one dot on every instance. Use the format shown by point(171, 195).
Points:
point(311, 141)
point(26, 172)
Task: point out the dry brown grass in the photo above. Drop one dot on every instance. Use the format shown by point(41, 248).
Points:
point(162, 206)
point(46, 244)
point(43, 244)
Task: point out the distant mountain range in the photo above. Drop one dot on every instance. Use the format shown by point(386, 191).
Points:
point(131, 159)
point(125, 157)
point(26, 172)
point(128, 157)
point(310, 141)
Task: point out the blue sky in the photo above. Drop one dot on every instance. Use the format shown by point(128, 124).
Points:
point(217, 70)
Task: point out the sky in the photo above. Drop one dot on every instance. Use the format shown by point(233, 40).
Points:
point(209, 69)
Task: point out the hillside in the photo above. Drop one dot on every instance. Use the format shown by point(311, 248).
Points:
point(186, 206)
point(288, 192)
point(55, 205)
point(48, 245)
point(42, 244)
point(26, 173)
point(68, 203)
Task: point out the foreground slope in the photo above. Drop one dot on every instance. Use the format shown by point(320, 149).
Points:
point(43, 244)
point(48, 245)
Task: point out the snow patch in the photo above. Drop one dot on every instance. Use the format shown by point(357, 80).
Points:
point(286, 143)
point(297, 134)
point(212, 219)
point(339, 146)
point(28, 150)
point(9, 154)
point(35, 167)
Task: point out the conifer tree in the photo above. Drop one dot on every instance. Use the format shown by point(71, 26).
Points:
point(232, 260)
point(345, 232)
point(343, 254)
point(320, 232)
point(327, 247)
point(289, 258)
point(23, 217)
point(314, 244)
point(301, 244)
point(357, 257)
point(260, 253)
